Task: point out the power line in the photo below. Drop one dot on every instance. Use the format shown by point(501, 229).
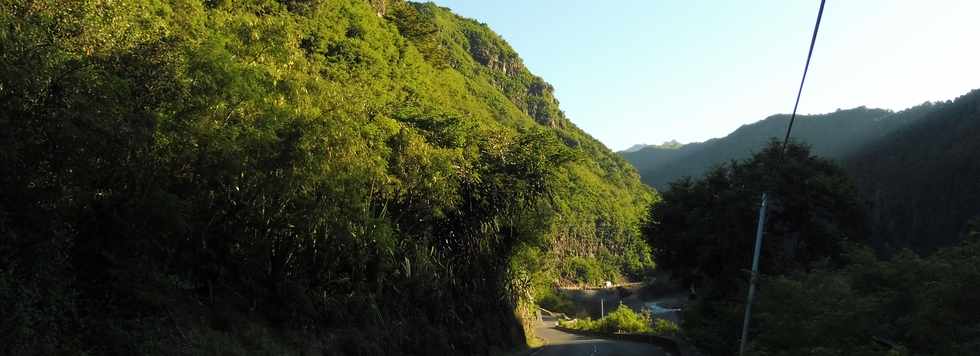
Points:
point(813, 40)
point(760, 228)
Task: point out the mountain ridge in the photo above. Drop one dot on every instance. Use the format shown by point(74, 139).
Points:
point(665, 145)
point(658, 167)
point(876, 147)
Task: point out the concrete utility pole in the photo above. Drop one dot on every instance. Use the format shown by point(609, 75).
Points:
point(755, 271)
point(765, 196)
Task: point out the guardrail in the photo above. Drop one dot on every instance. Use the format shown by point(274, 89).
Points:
point(554, 314)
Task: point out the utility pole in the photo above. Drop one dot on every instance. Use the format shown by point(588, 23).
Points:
point(602, 307)
point(755, 271)
point(760, 229)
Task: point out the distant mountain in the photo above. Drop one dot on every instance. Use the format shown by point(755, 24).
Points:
point(669, 144)
point(635, 147)
point(832, 135)
point(672, 144)
point(918, 169)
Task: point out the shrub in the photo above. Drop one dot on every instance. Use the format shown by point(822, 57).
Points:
point(551, 300)
point(665, 327)
point(624, 320)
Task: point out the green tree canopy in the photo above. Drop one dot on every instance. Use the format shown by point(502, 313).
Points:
point(376, 177)
point(703, 230)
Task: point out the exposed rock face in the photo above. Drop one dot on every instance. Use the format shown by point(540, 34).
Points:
point(538, 99)
point(542, 104)
point(490, 56)
point(381, 6)
point(541, 88)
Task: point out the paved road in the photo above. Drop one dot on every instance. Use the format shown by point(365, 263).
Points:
point(564, 344)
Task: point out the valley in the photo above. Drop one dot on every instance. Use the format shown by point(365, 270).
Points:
point(388, 177)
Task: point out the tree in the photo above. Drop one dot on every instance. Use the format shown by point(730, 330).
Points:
point(419, 28)
point(703, 230)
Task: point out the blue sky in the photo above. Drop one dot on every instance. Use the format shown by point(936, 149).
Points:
point(649, 71)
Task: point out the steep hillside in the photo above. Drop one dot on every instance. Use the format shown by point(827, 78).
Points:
point(603, 219)
point(923, 181)
point(276, 177)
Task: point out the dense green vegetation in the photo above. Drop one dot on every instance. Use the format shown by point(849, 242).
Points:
point(822, 290)
point(917, 169)
point(624, 320)
point(922, 182)
point(703, 230)
point(925, 306)
point(908, 305)
point(323, 176)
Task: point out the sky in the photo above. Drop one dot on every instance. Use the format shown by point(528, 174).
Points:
point(649, 71)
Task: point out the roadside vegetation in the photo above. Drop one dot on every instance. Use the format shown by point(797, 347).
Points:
point(823, 290)
point(554, 300)
point(624, 320)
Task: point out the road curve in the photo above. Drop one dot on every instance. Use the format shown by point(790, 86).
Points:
point(558, 343)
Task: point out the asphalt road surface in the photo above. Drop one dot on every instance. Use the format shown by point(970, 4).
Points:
point(558, 343)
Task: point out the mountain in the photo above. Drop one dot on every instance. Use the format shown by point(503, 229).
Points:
point(672, 144)
point(922, 181)
point(341, 177)
point(913, 193)
point(635, 147)
point(917, 169)
point(833, 135)
point(598, 198)
point(669, 144)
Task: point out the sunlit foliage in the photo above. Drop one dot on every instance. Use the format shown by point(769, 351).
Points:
point(368, 177)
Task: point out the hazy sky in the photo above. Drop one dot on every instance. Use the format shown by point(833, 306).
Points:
point(648, 71)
